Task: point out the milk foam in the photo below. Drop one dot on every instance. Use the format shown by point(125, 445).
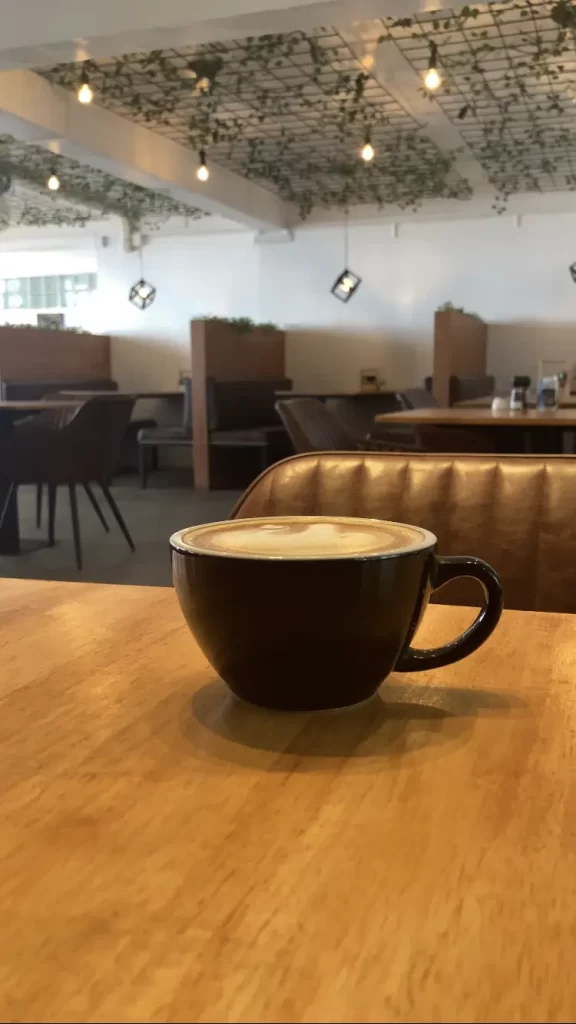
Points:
point(304, 537)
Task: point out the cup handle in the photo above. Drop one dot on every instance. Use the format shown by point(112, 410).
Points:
point(450, 568)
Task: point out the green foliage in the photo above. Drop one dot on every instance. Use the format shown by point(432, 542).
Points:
point(47, 327)
point(518, 108)
point(449, 307)
point(242, 324)
point(85, 193)
point(227, 98)
point(241, 117)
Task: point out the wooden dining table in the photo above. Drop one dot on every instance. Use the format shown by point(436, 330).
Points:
point(10, 543)
point(168, 853)
point(541, 430)
point(486, 402)
point(136, 395)
point(324, 396)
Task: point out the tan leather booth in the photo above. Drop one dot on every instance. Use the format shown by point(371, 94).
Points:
point(517, 512)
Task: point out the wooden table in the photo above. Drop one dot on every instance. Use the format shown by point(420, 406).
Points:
point(170, 854)
point(324, 396)
point(459, 417)
point(10, 411)
point(486, 403)
point(542, 431)
point(136, 395)
point(13, 410)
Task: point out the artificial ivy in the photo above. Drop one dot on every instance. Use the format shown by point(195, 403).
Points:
point(225, 98)
point(85, 193)
point(46, 327)
point(449, 307)
point(154, 89)
point(242, 324)
point(514, 161)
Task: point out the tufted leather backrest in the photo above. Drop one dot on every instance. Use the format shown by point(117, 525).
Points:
point(517, 512)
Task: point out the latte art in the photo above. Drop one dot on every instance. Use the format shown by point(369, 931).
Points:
point(304, 537)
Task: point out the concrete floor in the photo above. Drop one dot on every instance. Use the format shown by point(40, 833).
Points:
point(151, 516)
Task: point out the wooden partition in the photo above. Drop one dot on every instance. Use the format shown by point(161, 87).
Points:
point(28, 354)
point(221, 351)
point(460, 344)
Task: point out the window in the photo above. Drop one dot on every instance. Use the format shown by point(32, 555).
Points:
point(61, 292)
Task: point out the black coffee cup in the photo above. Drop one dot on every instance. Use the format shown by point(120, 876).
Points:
point(308, 613)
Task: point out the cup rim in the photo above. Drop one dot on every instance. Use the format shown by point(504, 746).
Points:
point(429, 540)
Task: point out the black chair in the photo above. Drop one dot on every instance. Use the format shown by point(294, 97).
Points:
point(416, 398)
point(357, 415)
point(150, 439)
point(436, 439)
point(313, 428)
point(72, 448)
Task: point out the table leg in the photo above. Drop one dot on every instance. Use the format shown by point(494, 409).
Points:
point(9, 533)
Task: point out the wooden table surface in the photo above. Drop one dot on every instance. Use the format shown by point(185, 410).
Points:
point(325, 395)
point(466, 417)
point(486, 403)
point(123, 394)
point(38, 405)
point(170, 854)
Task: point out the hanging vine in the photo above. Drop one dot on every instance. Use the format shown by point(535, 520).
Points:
point(291, 110)
point(232, 101)
point(517, 115)
point(85, 193)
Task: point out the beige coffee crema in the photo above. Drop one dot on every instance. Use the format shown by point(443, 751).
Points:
point(303, 537)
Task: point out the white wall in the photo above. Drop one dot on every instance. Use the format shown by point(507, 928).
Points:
point(515, 278)
point(193, 276)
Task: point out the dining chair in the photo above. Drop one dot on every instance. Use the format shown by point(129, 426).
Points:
point(75, 448)
point(150, 439)
point(50, 419)
point(358, 417)
point(312, 427)
point(515, 511)
point(432, 438)
point(416, 398)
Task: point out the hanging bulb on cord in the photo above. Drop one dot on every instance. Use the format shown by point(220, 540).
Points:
point(367, 151)
point(202, 173)
point(432, 78)
point(53, 182)
point(85, 92)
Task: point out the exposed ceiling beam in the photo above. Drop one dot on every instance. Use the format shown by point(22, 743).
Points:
point(395, 73)
point(32, 110)
point(36, 33)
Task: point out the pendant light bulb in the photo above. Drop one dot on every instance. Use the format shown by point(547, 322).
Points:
point(85, 92)
point(53, 182)
point(367, 151)
point(432, 78)
point(144, 290)
point(202, 173)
